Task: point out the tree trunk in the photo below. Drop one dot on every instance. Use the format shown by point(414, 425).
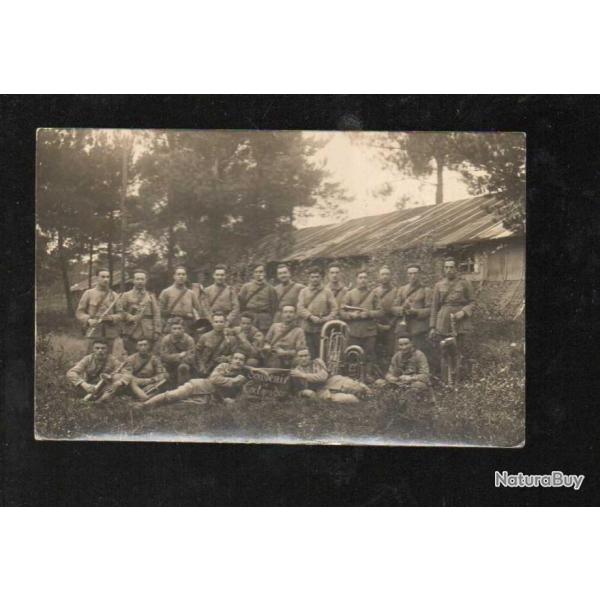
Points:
point(439, 190)
point(64, 270)
point(109, 248)
point(170, 248)
point(91, 263)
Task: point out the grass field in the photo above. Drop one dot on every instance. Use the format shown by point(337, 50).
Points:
point(487, 410)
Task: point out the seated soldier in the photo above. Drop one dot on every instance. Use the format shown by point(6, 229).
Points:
point(177, 352)
point(257, 351)
point(142, 374)
point(87, 373)
point(311, 380)
point(408, 371)
point(225, 383)
point(247, 338)
point(284, 339)
point(214, 347)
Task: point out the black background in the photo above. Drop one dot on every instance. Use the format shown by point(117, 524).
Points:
point(563, 303)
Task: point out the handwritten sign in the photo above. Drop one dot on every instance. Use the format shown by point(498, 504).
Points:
point(267, 384)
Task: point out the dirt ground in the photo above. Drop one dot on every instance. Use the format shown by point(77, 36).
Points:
point(487, 410)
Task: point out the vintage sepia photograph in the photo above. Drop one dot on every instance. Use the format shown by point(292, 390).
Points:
point(315, 287)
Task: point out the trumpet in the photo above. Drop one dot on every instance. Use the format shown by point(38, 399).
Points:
point(333, 343)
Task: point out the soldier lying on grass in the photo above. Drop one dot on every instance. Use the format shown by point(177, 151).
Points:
point(224, 383)
point(311, 380)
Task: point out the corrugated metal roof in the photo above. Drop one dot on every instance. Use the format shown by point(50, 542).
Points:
point(453, 223)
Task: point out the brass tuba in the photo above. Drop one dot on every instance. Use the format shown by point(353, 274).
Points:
point(354, 363)
point(333, 344)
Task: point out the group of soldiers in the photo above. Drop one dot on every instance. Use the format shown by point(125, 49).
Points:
point(264, 326)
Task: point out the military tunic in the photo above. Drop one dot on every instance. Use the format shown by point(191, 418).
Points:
point(413, 364)
point(92, 305)
point(418, 298)
point(171, 347)
point(369, 300)
point(210, 347)
point(141, 317)
point(220, 384)
point(318, 302)
point(289, 338)
point(223, 298)
point(287, 294)
point(450, 297)
point(144, 368)
point(173, 304)
point(386, 295)
point(338, 293)
point(247, 343)
point(260, 300)
point(89, 369)
point(316, 376)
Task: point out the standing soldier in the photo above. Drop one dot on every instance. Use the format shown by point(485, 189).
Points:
point(259, 299)
point(453, 295)
point(287, 290)
point(214, 347)
point(335, 284)
point(316, 306)
point(284, 339)
point(179, 301)
point(140, 313)
point(386, 292)
point(222, 297)
point(361, 310)
point(412, 306)
point(178, 352)
point(97, 312)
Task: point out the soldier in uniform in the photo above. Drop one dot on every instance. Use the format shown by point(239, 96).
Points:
point(180, 301)
point(178, 352)
point(140, 313)
point(92, 368)
point(453, 295)
point(250, 340)
point(97, 312)
point(225, 383)
point(287, 291)
point(384, 342)
point(412, 306)
point(284, 339)
point(214, 347)
point(335, 284)
point(311, 380)
point(259, 299)
point(408, 371)
point(316, 306)
point(309, 375)
point(361, 310)
point(222, 297)
point(141, 371)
